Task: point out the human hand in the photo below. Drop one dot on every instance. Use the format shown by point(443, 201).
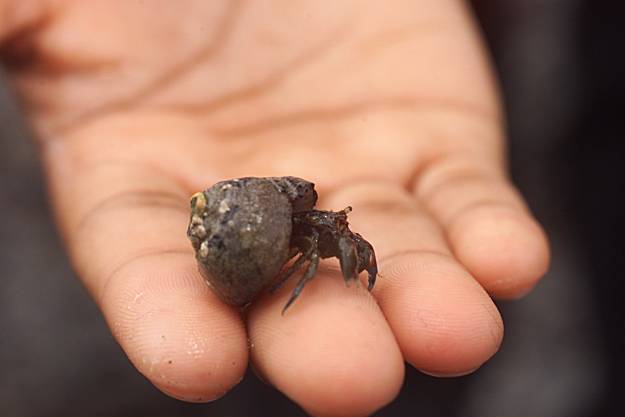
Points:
point(390, 110)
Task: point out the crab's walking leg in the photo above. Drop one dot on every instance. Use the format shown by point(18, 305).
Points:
point(310, 272)
point(286, 274)
point(311, 254)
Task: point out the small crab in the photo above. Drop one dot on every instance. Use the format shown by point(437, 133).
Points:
point(325, 234)
point(245, 231)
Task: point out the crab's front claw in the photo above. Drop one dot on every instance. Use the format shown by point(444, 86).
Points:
point(348, 258)
point(372, 270)
point(369, 262)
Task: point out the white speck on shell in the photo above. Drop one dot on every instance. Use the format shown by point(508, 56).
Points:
point(199, 231)
point(203, 252)
point(223, 207)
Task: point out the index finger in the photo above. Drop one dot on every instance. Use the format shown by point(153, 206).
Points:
point(124, 225)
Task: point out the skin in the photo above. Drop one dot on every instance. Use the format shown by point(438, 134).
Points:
point(390, 110)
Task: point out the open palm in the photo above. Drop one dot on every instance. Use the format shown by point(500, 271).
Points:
point(393, 111)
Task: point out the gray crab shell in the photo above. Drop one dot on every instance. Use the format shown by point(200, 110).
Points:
point(240, 230)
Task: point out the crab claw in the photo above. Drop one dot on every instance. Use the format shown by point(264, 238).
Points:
point(348, 258)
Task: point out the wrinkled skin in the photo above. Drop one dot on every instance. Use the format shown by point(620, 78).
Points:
point(390, 109)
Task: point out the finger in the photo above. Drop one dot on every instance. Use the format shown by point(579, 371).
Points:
point(487, 223)
point(18, 16)
point(332, 352)
point(125, 225)
point(443, 320)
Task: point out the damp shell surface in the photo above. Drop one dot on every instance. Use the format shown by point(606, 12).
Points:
point(240, 230)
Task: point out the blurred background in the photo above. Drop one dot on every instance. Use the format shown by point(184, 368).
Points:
point(563, 76)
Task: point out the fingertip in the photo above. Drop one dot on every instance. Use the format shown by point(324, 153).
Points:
point(504, 249)
point(174, 330)
point(332, 352)
point(443, 320)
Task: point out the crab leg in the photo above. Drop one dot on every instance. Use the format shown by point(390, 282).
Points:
point(308, 275)
point(286, 274)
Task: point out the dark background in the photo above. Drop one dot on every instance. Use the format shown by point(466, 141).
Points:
point(561, 65)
